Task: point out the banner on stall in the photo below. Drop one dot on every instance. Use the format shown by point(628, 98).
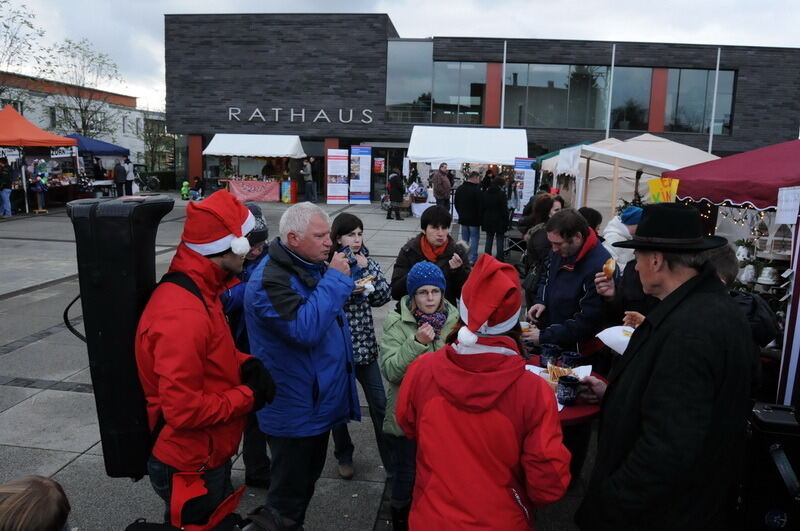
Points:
point(63, 152)
point(360, 165)
point(338, 189)
point(525, 180)
point(12, 154)
point(663, 190)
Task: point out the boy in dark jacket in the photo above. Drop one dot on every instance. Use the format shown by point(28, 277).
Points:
point(396, 191)
point(435, 245)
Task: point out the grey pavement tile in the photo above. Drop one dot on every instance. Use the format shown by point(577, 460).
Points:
point(14, 326)
point(52, 420)
point(47, 361)
point(18, 461)
point(65, 337)
point(83, 377)
point(343, 505)
point(49, 257)
point(11, 396)
point(99, 502)
point(97, 449)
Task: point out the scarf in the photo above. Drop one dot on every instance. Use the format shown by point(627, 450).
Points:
point(430, 252)
point(435, 319)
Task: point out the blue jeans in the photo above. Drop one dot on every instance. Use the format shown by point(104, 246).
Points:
point(471, 235)
point(500, 237)
point(197, 510)
point(5, 202)
point(369, 376)
point(404, 457)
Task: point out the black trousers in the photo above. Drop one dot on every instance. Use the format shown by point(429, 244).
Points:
point(297, 463)
point(120, 189)
point(254, 451)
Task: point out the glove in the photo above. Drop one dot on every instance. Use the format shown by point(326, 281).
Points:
point(259, 380)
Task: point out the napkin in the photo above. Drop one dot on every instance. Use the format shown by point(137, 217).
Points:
point(616, 338)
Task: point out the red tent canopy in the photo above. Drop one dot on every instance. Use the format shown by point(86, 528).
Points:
point(751, 177)
point(16, 131)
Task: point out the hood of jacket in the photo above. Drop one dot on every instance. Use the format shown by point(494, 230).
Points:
point(473, 378)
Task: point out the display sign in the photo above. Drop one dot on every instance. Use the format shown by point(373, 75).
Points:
point(337, 160)
point(379, 166)
point(525, 179)
point(255, 190)
point(63, 152)
point(788, 205)
point(663, 190)
point(12, 154)
point(360, 165)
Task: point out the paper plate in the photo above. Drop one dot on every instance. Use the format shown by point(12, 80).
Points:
point(616, 338)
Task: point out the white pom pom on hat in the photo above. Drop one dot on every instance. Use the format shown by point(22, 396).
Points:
point(490, 300)
point(240, 245)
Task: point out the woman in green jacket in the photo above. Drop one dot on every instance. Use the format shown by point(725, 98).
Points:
point(421, 323)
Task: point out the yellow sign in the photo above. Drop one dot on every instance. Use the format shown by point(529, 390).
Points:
point(663, 190)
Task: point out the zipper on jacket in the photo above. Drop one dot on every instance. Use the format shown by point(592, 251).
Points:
point(519, 502)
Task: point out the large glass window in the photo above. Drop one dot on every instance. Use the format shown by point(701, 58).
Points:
point(548, 94)
point(458, 92)
point(516, 94)
point(409, 81)
point(630, 101)
point(690, 96)
point(586, 105)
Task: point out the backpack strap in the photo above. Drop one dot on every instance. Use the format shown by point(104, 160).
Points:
point(183, 280)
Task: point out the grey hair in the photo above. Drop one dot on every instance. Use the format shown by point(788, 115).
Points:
point(686, 260)
point(297, 217)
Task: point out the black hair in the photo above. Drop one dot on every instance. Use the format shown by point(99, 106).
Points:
point(343, 224)
point(435, 216)
point(592, 216)
point(568, 224)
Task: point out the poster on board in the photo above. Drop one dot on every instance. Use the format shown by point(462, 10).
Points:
point(525, 179)
point(360, 166)
point(337, 176)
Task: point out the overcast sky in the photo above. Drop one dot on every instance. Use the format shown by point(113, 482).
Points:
point(132, 31)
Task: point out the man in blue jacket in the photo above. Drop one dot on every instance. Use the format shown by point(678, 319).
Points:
point(294, 309)
point(567, 308)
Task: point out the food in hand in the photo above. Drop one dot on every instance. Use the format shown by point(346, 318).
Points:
point(554, 373)
point(609, 267)
point(364, 281)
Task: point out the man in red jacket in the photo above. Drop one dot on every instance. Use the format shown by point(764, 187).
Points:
point(488, 437)
point(198, 386)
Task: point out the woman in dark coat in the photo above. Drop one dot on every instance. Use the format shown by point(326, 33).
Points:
point(396, 191)
point(495, 216)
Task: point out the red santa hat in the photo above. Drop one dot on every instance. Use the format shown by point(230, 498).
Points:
point(216, 224)
point(490, 300)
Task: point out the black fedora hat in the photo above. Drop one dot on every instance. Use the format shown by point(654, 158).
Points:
point(671, 227)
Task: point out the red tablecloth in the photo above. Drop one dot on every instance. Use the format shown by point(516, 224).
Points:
point(255, 190)
point(580, 412)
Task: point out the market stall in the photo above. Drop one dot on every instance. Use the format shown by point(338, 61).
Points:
point(464, 149)
point(17, 132)
point(593, 168)
point(758, 193)
point(248, 166)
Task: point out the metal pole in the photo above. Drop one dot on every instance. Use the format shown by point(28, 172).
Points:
point(714, 104)
point(24, 179)
point(503, 89)
point(610, 88)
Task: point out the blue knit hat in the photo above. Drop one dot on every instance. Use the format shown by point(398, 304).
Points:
point(424, 274)
point(631, 215)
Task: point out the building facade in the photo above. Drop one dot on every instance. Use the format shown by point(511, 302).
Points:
point(45, 103)
point(340, 80)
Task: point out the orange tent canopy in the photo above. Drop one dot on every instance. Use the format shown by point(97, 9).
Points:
point(16, 131)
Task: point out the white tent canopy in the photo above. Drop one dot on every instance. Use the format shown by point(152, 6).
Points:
point(225, 145)
point(474, 145)
point(649, 153)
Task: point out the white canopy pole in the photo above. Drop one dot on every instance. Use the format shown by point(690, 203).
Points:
point(610, 89)
point(714, 104)
point(503, 89)
point(614, 183)
point(585, 198)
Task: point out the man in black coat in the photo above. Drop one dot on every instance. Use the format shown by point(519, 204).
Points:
point(397, 191)
point(673, 412)
point(120, 177)
point(468, 206)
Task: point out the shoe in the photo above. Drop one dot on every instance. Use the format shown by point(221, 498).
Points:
point(400, 518)
point(346, 471)
point(257, 483)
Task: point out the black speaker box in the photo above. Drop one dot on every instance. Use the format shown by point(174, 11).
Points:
point(115, 241)
point(771, 492)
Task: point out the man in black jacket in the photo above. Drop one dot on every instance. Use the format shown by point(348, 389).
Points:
point(5, 188)
point(674, 409)
point(468, 206)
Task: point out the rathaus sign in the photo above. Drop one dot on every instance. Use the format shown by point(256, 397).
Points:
point(278, 114)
